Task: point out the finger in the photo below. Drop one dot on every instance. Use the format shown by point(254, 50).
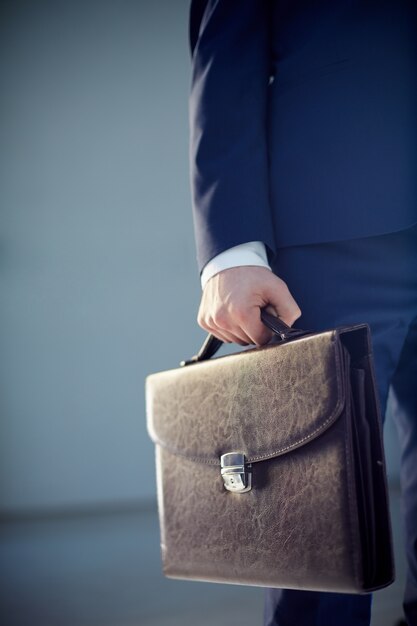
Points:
point(254, 328)
point(228, 324)
point(272, 310)
point(282, 304)
point(222, 334)
point(217, 333)
point(240, 336)
point(228, 337)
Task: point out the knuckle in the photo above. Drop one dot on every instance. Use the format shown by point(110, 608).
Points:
point(203, 325)
point(240, 314)
point(221, 318)
point(203, 321)
point(201, 318)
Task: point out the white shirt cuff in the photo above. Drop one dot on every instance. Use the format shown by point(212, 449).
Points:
point(250, 253)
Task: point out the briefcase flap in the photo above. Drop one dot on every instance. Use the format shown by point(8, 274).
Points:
point(264, 401)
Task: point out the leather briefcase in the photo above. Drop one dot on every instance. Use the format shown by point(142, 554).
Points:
point(270, 464)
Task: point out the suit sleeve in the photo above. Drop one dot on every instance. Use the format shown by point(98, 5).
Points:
point(248, 253)
point(230, 53)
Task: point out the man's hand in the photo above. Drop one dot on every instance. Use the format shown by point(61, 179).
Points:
point(232, 299)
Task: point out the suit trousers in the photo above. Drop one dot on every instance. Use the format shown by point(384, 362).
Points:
point(374, 280)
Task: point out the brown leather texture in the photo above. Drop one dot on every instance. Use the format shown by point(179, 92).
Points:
point(316, 516)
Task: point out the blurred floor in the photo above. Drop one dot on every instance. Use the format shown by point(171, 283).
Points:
point(105, 570)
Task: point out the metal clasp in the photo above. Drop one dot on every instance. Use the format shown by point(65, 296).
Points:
point(236, 472)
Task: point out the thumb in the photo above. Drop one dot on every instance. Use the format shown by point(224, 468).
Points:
point(272, 310)
point(281, 303)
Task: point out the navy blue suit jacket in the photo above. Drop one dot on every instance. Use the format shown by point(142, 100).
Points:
point(303, 120)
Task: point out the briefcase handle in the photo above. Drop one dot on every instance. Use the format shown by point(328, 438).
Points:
point(274, 323)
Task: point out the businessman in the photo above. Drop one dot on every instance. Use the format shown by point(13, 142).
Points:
point(303, 160)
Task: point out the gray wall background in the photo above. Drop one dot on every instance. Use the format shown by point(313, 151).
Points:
point(99, 282)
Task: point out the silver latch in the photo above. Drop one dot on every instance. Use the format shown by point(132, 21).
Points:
point(236, 472)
